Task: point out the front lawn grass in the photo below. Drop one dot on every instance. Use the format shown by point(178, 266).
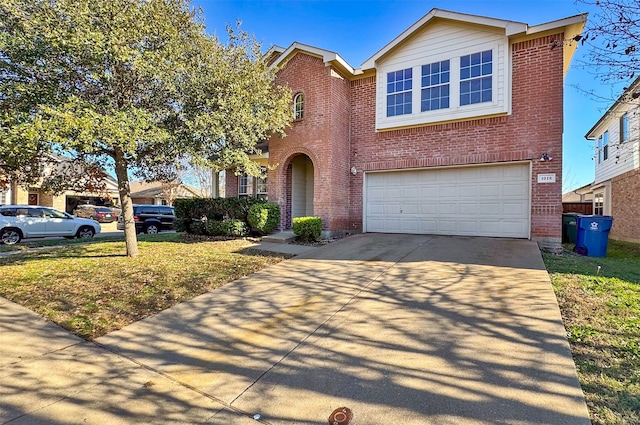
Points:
point(92, 289)
point(600, 303)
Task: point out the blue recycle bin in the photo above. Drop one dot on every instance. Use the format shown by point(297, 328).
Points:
point(593, 234)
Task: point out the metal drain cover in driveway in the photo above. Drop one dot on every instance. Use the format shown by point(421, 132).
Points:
point(341, 416)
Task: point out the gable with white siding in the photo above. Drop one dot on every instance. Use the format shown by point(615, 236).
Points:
point(445, 40)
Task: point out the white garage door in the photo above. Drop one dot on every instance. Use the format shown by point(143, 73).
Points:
point(474, 201)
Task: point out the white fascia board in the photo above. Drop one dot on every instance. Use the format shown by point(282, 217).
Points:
point(326, 55)
point(560, 23)
point(274, 49)
point(510, 28)
point(591, 134)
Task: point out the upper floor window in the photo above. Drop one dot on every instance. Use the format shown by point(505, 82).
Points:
point(243, 185)
point(624, 128)
point(435, 86)
point(476, 78)
point(599, 149)
point(298, 106)
point(399, 86)
point(605, 146)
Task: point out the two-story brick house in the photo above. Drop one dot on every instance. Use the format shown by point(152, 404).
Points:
point(454, 128)
point(616, 186)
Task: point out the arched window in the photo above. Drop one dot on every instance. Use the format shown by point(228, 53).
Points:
point(298, 106)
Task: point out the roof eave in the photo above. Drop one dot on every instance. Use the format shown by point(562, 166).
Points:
point(328, 57)
point(591, 134)
point(510, 27)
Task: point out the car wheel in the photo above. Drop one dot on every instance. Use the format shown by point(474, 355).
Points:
point(151, 229)
point(10, 236)
point(85, 232)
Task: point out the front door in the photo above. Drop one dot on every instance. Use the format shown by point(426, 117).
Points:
point(302, 187)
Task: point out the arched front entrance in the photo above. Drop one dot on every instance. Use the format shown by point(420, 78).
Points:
point(299, 188)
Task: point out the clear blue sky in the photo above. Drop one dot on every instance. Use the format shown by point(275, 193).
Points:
point(357, 29)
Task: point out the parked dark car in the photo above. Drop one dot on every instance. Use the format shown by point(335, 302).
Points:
point(151, 218)
point(99, 214)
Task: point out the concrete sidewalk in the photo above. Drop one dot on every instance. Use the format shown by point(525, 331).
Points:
point(399, 328)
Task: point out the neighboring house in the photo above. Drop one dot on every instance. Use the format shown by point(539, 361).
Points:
point(65, 201)
point(161, 194)
point(579, 200)
point(616, 187)
point(453, 128)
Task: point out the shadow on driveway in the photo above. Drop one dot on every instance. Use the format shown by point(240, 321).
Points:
point(402, 329)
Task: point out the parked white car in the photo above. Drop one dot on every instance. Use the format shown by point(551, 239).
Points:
point(29, 221)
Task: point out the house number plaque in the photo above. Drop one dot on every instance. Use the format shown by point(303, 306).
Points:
point(546, 178)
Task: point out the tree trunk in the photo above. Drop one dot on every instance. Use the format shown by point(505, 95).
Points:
point(122, 175)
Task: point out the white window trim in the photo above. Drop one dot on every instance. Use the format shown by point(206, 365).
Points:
point(621, 137)
point(246, 186)
point(501, 77)
point(299, 95)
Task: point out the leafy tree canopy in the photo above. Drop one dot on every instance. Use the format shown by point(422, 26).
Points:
point(613, 34)
point(134, 84)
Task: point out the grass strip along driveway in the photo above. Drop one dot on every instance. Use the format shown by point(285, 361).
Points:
point(600, 303)
point(93, 288)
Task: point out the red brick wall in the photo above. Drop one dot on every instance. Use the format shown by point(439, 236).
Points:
point(534, 127)
point(625, 196)
point(230, 184)
point(322, 135)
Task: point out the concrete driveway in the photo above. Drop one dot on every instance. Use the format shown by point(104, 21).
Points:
point(401, 329)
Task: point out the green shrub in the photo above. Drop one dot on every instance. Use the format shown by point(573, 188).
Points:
point(182, 224)
point(197, 228)
point(228, 227)
point(264, 217)
point(234, 227)
point(214, 228)
point(213, 209)
point(307, 228)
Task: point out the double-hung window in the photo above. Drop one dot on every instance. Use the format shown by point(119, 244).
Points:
point(624, 128)
point(399, 87)
point(435, 86)
point(598, 204)
point(476, 72)
point(261, 185)
point(243, 185)
point(605, 146)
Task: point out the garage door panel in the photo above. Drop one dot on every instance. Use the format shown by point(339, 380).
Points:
point(517, 190)
point(490, 190)
point(447, 209)
point(392, 209)
point(430, 209)
point(468, 208)
point(410, 209)
point(478, 201)
point(376, 209)
point(446, 226)
point(428, 226)
point(514, 209)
